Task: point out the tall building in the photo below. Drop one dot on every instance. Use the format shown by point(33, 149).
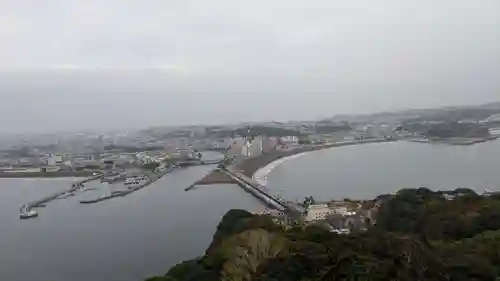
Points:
point(252, 147)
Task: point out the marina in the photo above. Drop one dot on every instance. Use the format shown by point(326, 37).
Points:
point(131, 180)
point(105, 234)
point(120, 193)
point(27, 209)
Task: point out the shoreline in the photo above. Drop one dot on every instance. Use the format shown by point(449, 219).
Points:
point(261, 174)
point(249, 167)
point(23, 175)
point(454, 141)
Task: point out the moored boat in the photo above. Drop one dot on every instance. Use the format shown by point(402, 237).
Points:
point(27, 213)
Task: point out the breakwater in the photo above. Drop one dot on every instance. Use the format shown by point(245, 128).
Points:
point(74, 187)
point(152, 178)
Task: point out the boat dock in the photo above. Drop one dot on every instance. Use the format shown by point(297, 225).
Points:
point(153, 178)
point(75, 186)
point(26, 209)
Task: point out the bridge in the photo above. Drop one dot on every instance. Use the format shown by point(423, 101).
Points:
point(257, 190)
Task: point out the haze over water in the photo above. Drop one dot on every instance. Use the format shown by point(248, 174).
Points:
point(124, 239)
point(366, 171)
point(143, 234)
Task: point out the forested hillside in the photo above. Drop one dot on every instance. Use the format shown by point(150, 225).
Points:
point(419, 235)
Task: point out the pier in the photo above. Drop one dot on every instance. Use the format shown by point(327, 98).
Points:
point(74, 187)
point(153, 178)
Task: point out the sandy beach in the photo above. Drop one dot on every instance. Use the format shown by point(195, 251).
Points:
point(259, 167)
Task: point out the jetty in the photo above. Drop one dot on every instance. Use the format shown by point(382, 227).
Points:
point(152, 178)
point(74, 187)
point(27, 209)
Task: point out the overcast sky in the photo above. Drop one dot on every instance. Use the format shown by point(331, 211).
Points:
point(71, 64)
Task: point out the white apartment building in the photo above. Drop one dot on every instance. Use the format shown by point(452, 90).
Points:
point(318, 212)
point(252, 147)
point(54, 159)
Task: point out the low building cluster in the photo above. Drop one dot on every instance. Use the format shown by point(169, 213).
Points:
point(337, 217)
point(61, 162)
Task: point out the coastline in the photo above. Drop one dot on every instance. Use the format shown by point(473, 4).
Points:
point(268, 161)
point(261, 174)
point(454, 141)
point(81, 174)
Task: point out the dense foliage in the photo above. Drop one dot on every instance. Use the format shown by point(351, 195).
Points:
point(419, 235)
point(249, 131)
point(450, 130)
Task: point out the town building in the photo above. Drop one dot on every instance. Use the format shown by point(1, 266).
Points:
point(222, 143)
point(52, 159)
point(318, 212)
point(290, 140)
point(252, 147)
point(342, 224)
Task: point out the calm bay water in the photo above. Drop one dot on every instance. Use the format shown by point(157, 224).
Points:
point(365, 171)
point(143, 234)
point(123, 239)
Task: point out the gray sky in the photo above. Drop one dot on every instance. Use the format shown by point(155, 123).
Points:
point(122, 63)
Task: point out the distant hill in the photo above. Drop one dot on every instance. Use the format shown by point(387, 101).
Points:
point(447, 113)
point(248, 131)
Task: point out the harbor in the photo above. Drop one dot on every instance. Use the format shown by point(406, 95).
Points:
point(117, 182)
point(152, 177)
point(27, 210)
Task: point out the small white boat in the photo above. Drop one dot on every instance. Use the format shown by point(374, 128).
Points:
point(27, 213)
